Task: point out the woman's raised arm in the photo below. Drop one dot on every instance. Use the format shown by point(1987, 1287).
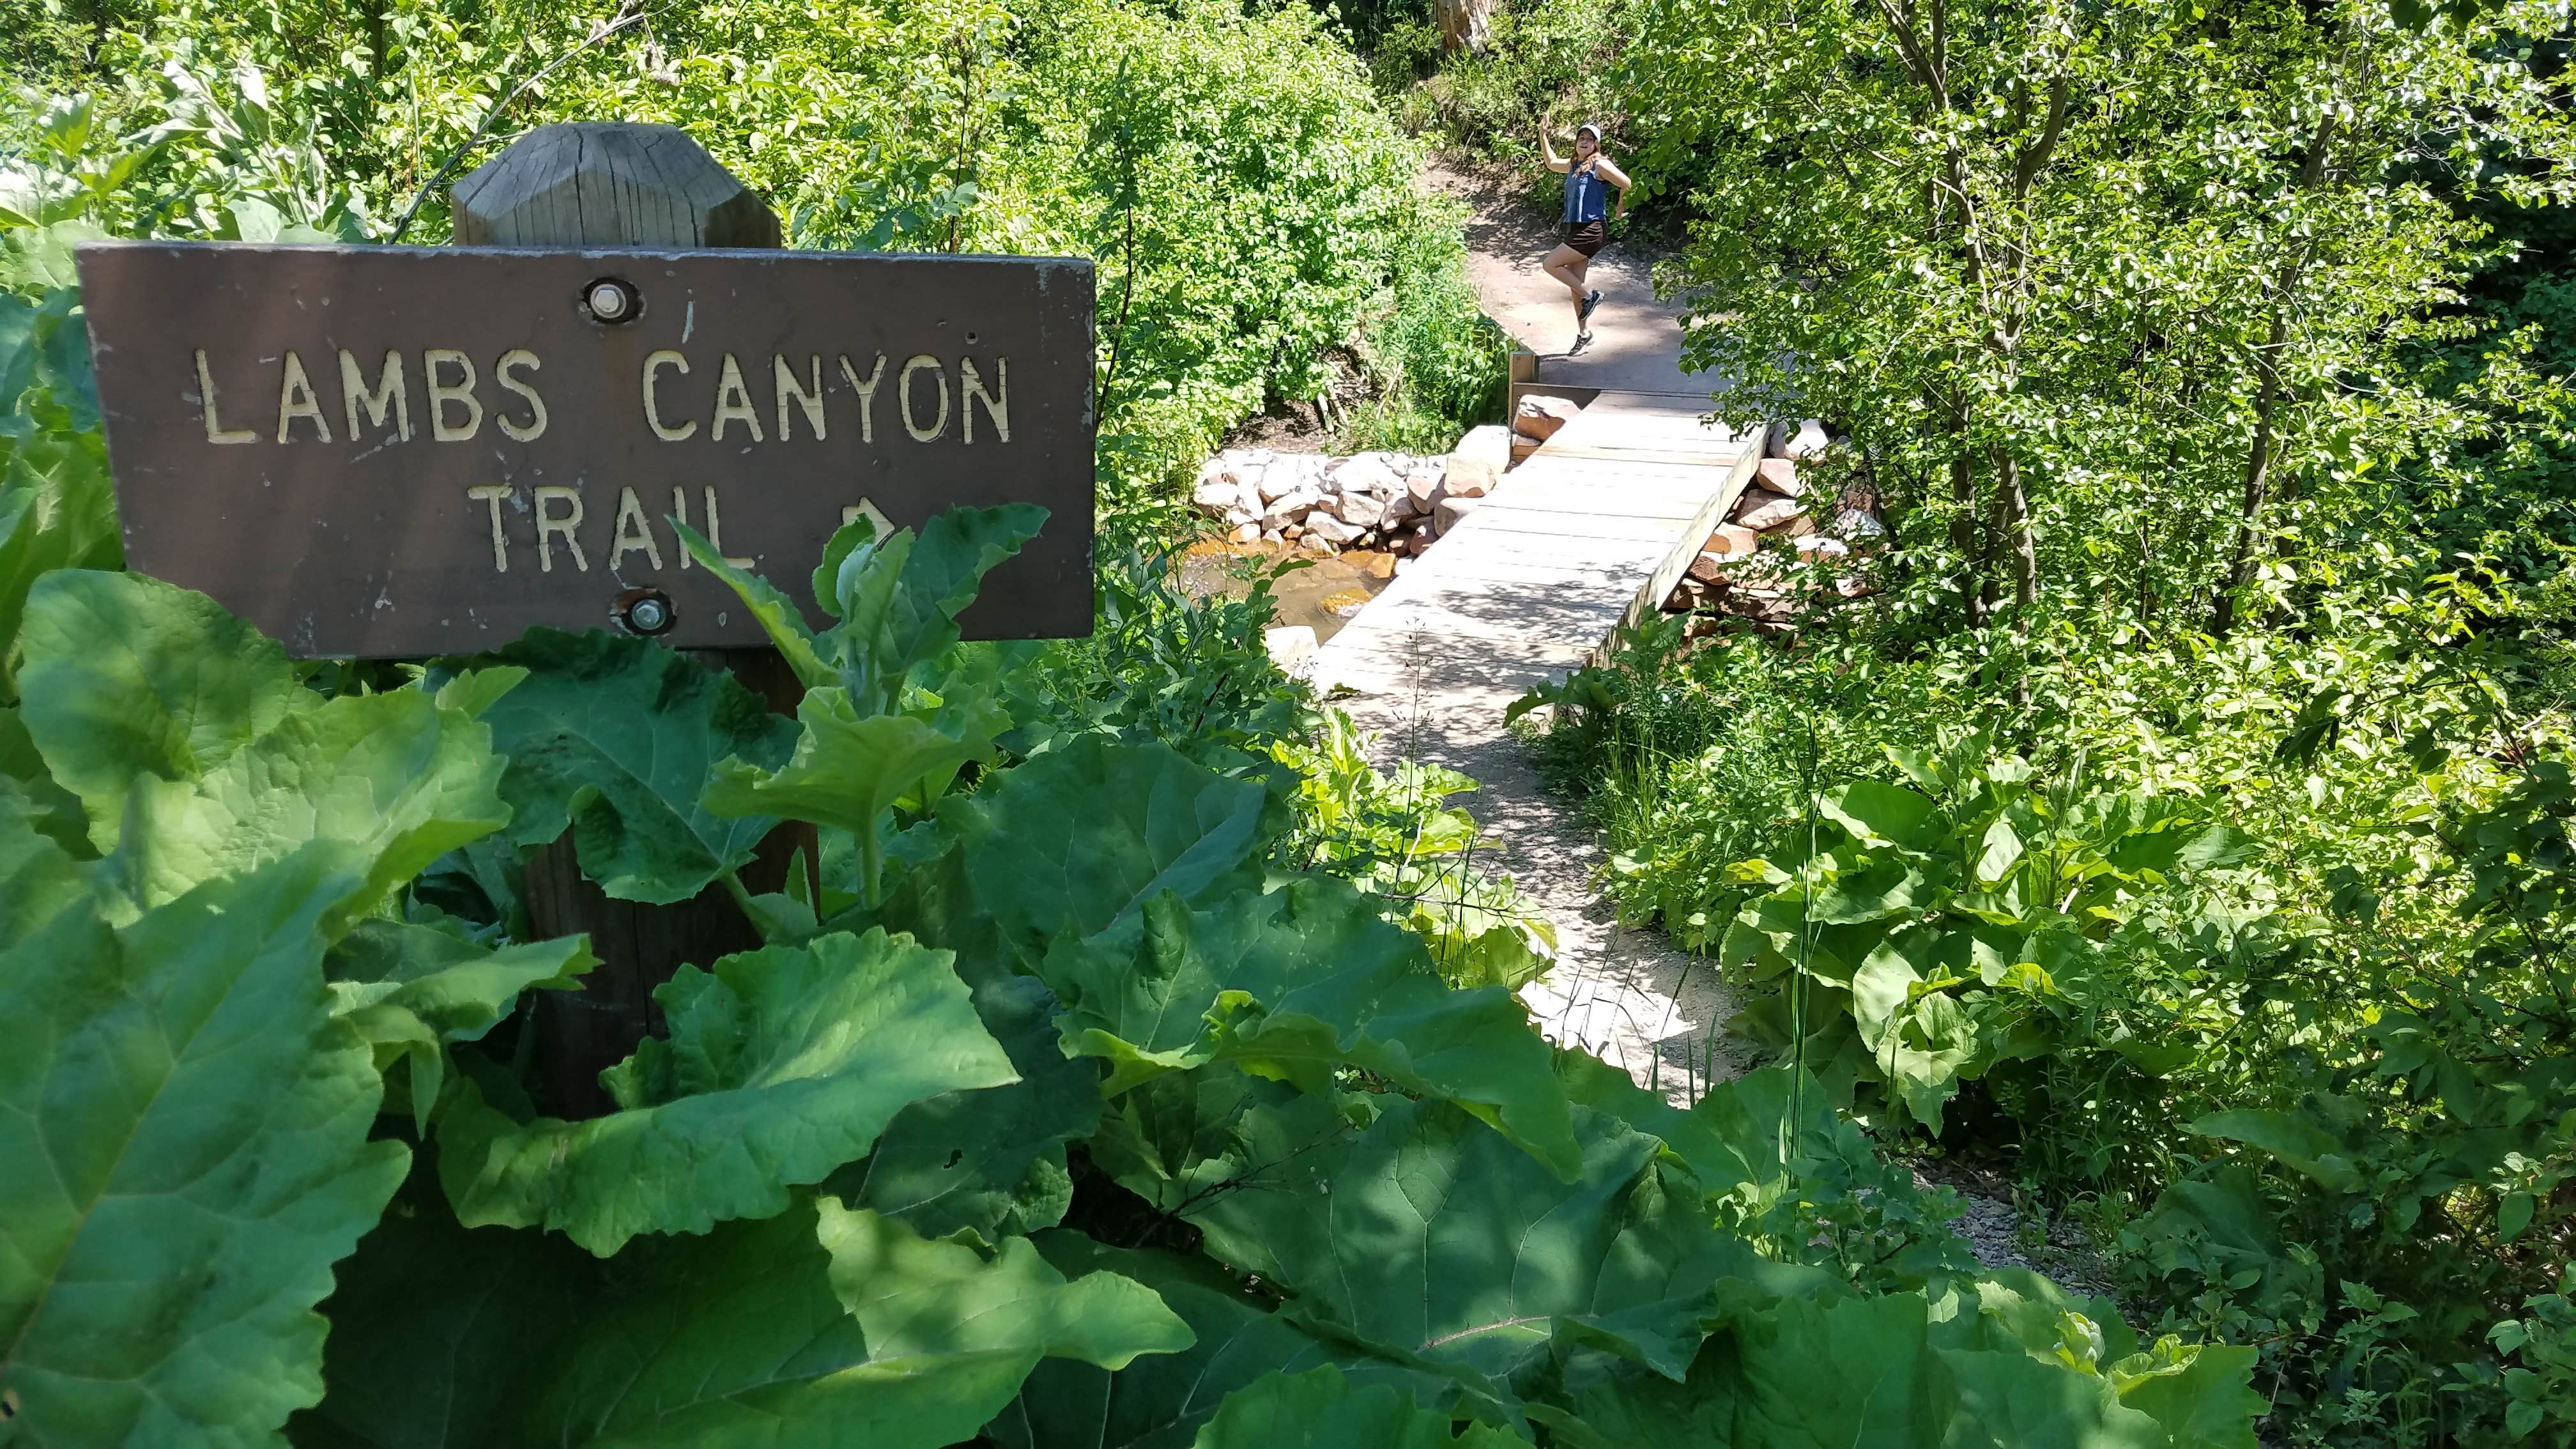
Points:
point(1547, 149)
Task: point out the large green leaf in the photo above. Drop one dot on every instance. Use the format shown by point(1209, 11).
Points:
point(808, 1330)
point(876, 1339)
point(2295, 1138)
point(440, 1333)
point(1084, 835)
point(393, 775)
point(128, 677)
point(1159, 1402)
point(615, 738)
point(183, 1155)
point(1890, 814)
point(57, 505)
point(1430, 1235)
point(1694, 1136)
point(1320, 1409)
point(980, 1159)
point(410, 989)
point(776, 613)
point(197, 754)
point(895, 599)
point(939, 579)
point(925, 1299)
point(38, 878)
point(46, 807)
point(847, 771)
point(1296, 983)
point(781, 1066)
point(2010, 1362)
point(458, 988)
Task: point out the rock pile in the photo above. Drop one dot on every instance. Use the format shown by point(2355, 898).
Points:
point(1733, 577)
point(1395, 502)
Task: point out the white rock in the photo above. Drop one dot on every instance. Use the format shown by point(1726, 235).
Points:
point(1368, 473)
point(1291, 645)
point(1421, 485)
point(1217, 497)
point(1325, 526)
point(1731, 540)
point(1247, 533)
point(1780, 475)
point(1287, 507)
point(1542, 418)
point(1761, 509)
point(1808, 443)
point(1492, 442)
point(1360, 510)
point(1287, 472)
point(1816, 545)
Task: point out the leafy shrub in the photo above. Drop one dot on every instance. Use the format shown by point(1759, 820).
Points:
point(1398, 839)
point(1693, 758)
point(1440, 364)
point(1019, 1103)
point(2262, 980)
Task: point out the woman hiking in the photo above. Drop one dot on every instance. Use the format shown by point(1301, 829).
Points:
point(1589, 175)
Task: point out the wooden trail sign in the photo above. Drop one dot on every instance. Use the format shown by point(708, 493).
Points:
point(406, 451)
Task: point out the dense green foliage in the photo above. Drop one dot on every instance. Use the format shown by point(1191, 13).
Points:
point(1037, 1083)
point(2181, 826)
point(1088, 1085)
point(1252, 211)
point(2185, 821)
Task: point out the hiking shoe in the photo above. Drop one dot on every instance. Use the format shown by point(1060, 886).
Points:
point(1591, 300)
point(1582, 340)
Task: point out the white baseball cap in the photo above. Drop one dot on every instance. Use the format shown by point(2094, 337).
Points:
point(1594, 128)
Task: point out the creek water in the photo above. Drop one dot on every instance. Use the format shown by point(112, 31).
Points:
point(1324, 595)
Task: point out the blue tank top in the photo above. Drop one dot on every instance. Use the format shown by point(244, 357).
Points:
point(1587, 196)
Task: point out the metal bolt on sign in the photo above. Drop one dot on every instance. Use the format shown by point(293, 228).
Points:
point(643, 611)
point(613, 300)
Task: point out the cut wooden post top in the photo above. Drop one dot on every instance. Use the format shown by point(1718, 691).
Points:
point(609, 183)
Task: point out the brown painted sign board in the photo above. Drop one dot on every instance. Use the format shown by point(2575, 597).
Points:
point(390, 452)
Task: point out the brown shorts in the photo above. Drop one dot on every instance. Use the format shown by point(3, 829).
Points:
point(1587, 237)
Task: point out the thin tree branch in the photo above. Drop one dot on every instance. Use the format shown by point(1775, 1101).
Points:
point(628, 14)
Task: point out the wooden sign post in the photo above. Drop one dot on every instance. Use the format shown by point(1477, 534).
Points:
point(406, 451)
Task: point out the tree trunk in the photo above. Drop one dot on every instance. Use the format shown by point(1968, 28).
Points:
point(2267, 403)
point(1963, 538)
point(2258, 479)
point(1463, 24)
point(2017, 537)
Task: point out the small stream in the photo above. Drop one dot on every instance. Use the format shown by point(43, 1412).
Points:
point(1323, 595)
